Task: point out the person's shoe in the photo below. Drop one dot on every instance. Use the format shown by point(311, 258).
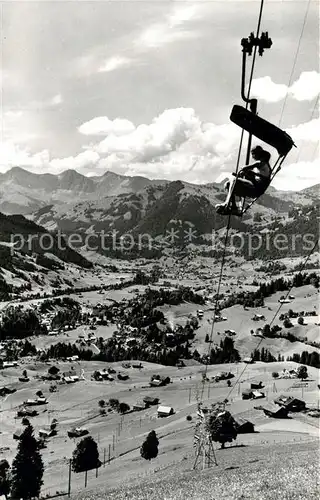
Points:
point(235, 211)
point(222, 209)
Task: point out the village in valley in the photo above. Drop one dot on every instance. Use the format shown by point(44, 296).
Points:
point(159, 250)
point(140, 355)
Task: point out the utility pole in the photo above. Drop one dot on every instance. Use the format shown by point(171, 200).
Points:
point(69, 481)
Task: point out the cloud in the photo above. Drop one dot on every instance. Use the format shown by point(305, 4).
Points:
point(12, 155)
point(170, 30)
point(101, 125)
point(12, 115)
point(174, 145)
point(308, 131)
point(306, 88)
point(57, 99)
point(146, 142)
point(81, 161)
point(113, 63)
point(297, 176)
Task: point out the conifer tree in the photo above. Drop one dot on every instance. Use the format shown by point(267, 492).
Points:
point(149, 448)
point(86, 455)
point(27, 468)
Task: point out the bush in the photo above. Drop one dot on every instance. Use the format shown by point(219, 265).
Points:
point(275, 374)
point(300, 320)
point(189, 418)
point(287, 323)
point(114, 403)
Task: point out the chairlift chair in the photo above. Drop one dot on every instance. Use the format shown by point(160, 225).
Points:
point(266, 132)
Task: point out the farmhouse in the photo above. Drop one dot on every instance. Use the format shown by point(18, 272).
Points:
point(165, 411)
point(150, 400)
point(291, 404)
point(139, 406)
point(274, 411)
point(70, 377)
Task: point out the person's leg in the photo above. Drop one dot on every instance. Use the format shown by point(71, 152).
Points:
point(244, 188)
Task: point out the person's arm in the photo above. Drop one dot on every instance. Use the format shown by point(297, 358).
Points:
point(246, 168)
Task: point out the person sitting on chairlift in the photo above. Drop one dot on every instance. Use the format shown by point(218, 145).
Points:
point(252, 181)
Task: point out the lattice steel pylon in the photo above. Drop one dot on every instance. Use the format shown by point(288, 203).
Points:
point(205, 455)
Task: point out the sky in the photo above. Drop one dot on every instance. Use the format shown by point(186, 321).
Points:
point(147, 87)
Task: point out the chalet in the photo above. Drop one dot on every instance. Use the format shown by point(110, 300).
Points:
point(291, 404)
point(46, 433)
point(180, 364)
point(247, 394)
point(244, 426)
point(230, 332)
point(27, 412)
point(137, 365)
point(34, 402)
point(248, 360)
point(10, 364)
point(150, 401)
point(139, 406)
point(77, 432)
point(256, 385)
point(165, 411)
point(73, 358)
point(288, 373)
point(158, 381)
point(274, 411)
point(257, 394)
point(6, 390)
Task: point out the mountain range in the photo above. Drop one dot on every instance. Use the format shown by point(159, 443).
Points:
point(115, 204)
point(24, 192)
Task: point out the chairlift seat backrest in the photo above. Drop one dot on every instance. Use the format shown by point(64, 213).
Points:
point(262, 129)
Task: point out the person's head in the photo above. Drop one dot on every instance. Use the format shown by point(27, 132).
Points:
point(258, 153)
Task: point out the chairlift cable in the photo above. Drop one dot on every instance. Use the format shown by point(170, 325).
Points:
point(295, 61)
point(229, 216)
point(311, 117)
point(274, 317)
